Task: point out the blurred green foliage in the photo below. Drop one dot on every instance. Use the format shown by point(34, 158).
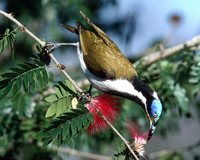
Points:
point(23, 110)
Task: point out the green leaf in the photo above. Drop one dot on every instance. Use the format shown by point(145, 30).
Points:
point(194, 80)
point(25, 65)
point(6, 90)
point(73, 128)
point(66, 126)
point(70, 88)
point(61, 100)
point(26, 83)
point(25, 76)
point(4, 82)
point(182, 99)
point(18, 70)
point(51, 111)
point(32, 84)
point(8, 40)
point(58, 92)
point(9, 75)
point(40, 79)
point(90, 118)
point(60, 108)
point(61, 105)
point(65, 131)
point(51, 98)
point(45, 75)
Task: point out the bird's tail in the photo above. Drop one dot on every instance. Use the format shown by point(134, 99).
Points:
point(70, 28)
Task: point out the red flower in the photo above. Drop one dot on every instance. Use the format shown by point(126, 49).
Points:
point(139, 139)
point(107, 105)
point(136, 133)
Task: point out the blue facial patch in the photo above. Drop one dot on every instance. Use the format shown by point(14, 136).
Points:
point(156, 107)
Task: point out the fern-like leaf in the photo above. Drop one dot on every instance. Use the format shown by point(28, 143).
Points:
point(194, 75)
point(67, 126)
point(61, 100)
point(8, 40)
point(25, 76)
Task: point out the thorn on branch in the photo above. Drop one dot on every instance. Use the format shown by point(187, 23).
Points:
point(61, 66)
point(11, 14)
point(22, 28)
point(48, 48)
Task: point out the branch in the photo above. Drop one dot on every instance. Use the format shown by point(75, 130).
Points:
point(164, 152)
point(42, 43)
point(121, 137)
point(117, 133)
point(80, 154)
point(159, 154)
point(22, 27)
point(156, 56)
point(64, 72)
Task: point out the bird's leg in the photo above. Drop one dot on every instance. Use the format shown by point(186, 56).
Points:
point(83, 95)
point(90, 90)
point(50, 47)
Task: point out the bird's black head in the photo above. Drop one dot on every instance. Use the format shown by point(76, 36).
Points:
point(151, 103)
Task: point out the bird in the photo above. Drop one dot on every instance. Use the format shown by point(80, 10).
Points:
point(108, 70)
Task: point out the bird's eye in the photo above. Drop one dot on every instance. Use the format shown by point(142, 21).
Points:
point(155, 115)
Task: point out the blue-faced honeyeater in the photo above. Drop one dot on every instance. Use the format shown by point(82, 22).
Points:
point(110, 71)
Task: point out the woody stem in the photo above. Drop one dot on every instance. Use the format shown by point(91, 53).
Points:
point(116, 132)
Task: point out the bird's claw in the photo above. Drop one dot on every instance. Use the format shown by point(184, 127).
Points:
point(49, 48)
point(83, 95)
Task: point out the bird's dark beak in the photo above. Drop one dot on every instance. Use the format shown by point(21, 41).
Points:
point(152, 129)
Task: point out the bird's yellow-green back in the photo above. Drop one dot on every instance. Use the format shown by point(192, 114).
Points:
point(102, 56)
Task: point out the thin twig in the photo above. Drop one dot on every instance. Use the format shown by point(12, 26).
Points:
point(80, 154)
point(42, 43)
point(116, 132)
point(166, 151)
point(155, 56)
point(120, 136)
point(65, 73)
point(160, 153)
point(22, 27)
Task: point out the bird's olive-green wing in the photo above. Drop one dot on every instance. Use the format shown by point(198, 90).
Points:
point(100, 33)
point(104, 60)
point(102, 56)
point(70, 28)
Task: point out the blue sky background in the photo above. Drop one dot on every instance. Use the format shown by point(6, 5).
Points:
point(153, 21)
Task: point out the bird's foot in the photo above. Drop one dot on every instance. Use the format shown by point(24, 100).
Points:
point(49, 47)
point(85, 94)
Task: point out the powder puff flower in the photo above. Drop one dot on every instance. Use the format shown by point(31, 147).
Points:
point(139, 139)
point(107, 105)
